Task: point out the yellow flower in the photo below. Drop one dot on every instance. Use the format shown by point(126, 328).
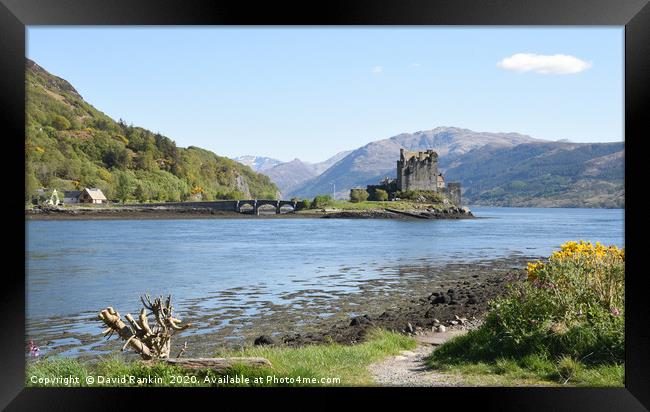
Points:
point(587, 251)
point(532, 269)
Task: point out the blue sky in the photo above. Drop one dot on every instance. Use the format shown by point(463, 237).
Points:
point(312, 92)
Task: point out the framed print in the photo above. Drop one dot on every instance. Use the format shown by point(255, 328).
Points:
point(361, 197)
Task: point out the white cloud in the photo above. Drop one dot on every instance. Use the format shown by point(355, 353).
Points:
point(544, 64)
point(415, 65)
point(377, 70)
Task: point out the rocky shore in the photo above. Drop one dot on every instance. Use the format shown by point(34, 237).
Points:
point(457, 304)
point(118, 212)
point(185, 212)
point(451, 212)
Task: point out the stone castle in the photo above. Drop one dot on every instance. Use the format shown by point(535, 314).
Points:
point(419, 171)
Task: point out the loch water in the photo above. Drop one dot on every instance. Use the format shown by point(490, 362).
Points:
point(76, 267)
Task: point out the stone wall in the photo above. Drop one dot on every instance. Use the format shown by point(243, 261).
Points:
point(452, 191)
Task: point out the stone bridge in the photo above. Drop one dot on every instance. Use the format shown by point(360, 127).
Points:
point(257, 203)
point(251, 206)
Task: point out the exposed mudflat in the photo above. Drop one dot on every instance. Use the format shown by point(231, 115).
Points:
point(405, 301)
point(427, 297)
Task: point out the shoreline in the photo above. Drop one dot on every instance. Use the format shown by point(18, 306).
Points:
point(175, 212)
point(423, 297)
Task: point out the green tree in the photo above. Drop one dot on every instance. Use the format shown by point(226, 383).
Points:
point(146, 162)
point(358, 195)
point(321, 201)
point(31, 185)
point(141, 193)
point(124, 185)
point(117, 156)
point(381, 195)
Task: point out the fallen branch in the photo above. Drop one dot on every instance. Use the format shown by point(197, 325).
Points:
point(218, 365)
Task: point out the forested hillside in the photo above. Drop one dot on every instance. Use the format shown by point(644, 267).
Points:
point(70, 145)
point(551, 174)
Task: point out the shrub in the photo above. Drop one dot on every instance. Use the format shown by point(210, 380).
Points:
point(426, 195)
point(358, 195)
point(381, 195)
point(60, 123)
point(321, 201)
point(570, 306)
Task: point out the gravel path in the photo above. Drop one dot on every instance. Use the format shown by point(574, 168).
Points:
point(409, 367)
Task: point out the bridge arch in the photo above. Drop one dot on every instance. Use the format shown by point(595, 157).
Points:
point(244, 206)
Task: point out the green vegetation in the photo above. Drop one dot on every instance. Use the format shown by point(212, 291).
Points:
point(428, 195)
point(346, 363)
point(306, 203)
point(321, 201)
point(380, 195)
point(530, 370)
point(70, 145)
point(358, 195)
point(565, 323)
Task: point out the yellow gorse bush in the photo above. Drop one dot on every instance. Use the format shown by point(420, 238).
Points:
point(583, 267)
point(582, 249)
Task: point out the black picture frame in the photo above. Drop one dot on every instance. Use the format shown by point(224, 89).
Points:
point(15, 15)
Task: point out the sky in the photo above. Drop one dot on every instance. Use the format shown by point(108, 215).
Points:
point(311, 92)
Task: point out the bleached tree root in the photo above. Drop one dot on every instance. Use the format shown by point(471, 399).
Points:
point(153, 343)
point(150, 342)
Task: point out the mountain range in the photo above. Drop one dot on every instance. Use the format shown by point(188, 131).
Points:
point(501, 169)
point(289, 175)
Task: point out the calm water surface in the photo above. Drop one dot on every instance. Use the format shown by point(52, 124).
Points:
point(75, 268)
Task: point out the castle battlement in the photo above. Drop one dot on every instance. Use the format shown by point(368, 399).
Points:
point(406, 155)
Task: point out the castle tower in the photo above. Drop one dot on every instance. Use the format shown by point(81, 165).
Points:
point(417, 170)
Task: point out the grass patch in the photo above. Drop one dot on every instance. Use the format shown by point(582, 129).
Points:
point(312, 365)
point(530, 370)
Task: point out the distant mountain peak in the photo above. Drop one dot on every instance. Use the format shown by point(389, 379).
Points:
point(258, 163)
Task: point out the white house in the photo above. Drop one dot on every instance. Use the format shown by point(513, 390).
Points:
point(92, 195)
point(88, 195)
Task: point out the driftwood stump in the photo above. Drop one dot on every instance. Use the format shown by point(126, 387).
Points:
point(154, 342)
point(151, 342)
